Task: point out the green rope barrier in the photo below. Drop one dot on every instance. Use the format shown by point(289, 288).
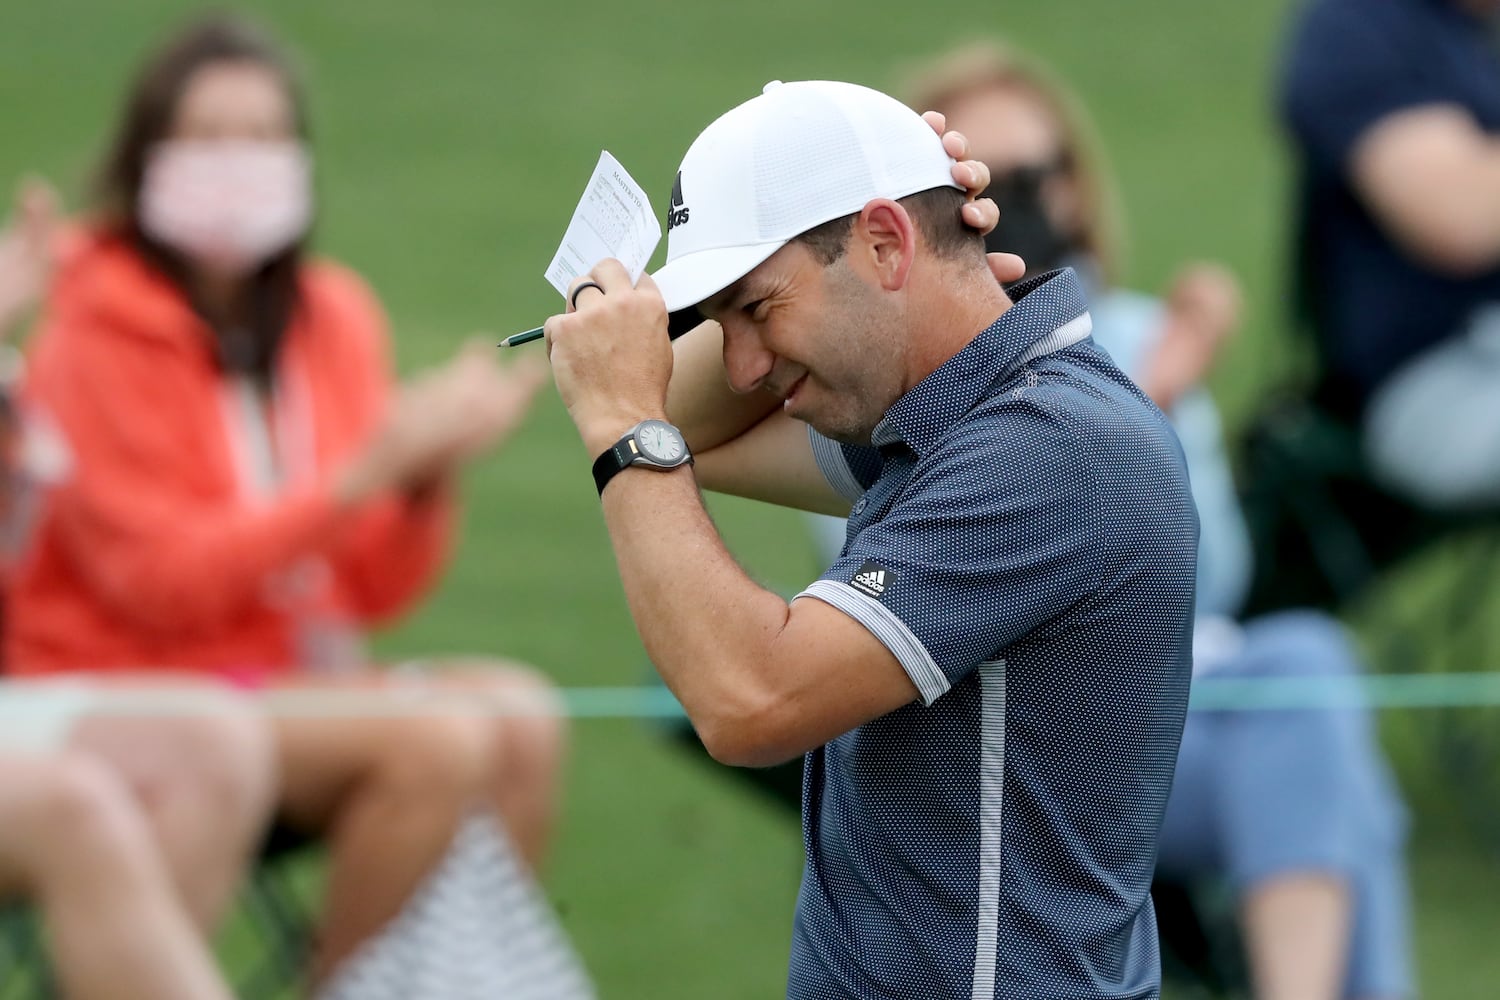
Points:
point(1210, 693)
point(1381, 691)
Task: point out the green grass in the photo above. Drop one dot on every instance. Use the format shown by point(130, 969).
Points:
point(452, 141)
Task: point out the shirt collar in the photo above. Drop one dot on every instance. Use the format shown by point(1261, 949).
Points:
point(1050, 312)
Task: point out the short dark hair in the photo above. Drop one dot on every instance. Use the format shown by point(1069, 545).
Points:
point(936, 212)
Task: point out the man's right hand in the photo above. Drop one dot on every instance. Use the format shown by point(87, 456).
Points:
point(979, 214)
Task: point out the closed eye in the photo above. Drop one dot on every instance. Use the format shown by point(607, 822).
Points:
point(751, 308)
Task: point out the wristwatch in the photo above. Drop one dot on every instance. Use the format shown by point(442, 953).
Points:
point(653, 444)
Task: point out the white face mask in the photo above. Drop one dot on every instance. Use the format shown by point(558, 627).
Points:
point(226, 204)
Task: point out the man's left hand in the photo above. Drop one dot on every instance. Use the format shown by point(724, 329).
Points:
point(611, 357)
point(979, 213)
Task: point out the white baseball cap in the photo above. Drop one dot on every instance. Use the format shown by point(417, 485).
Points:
point(799, 155)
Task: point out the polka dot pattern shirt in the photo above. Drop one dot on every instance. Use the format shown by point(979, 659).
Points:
point(1023, 539)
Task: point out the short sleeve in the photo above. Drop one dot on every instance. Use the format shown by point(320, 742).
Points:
point(991, 537)
point(1349, 65)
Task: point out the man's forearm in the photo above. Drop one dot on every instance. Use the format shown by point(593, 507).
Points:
point(743, 444)
point(772, 462)
point(699, 399)
point(707, 626)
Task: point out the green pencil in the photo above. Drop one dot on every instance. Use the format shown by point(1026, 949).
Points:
point(516, 340)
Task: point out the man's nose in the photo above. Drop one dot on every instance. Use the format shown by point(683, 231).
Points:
point(747, 361)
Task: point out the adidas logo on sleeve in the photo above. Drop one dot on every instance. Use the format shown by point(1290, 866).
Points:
point(873, 579)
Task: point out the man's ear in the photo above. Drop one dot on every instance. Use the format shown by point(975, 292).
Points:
point(884, 241)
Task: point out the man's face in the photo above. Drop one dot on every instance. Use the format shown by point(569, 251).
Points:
point(823, 339)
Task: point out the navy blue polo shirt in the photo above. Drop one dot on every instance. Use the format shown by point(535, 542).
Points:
point(1349, 64)
point(1023, 539)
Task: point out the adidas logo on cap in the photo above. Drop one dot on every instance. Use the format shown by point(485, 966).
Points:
point(677, 214)
point(872, 579)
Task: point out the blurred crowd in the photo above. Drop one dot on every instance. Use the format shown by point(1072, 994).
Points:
point(215, 485)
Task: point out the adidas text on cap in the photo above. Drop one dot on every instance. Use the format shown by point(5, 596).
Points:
point(797, 156)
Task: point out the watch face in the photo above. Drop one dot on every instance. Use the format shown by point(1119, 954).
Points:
point(660, 442)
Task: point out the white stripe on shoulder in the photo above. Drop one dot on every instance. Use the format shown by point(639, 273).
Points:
point(1066, 335)
point(890, 630)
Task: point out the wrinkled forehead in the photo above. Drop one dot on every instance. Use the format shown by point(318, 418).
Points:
point(762, 278)
point(731, 297)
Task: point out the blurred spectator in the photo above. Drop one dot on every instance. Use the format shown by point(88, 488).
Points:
point(248, 491)
point(1394, 110)
point(26, 253)
point(26, 454)
point(1293, 808)
point(129, 833)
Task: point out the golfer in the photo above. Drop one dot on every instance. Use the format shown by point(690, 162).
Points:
point(989, 683)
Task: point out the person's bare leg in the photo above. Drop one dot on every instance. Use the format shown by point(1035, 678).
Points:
point(388, 794)
point(1296, 929)
point(529, 739)
point(74, 840)
point(206, 775)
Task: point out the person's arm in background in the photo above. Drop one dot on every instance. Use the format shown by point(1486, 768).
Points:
point(394, 549)
point(395, 545)
point(26, 252)
point(1431, 177)
point(1169, 347)
point(390, 548)
point(399, 543)
point(1200, 311)
point(155, 540)
point(1362, 104)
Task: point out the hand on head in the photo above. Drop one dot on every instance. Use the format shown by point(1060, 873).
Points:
point(980, 214)
point(27, 245)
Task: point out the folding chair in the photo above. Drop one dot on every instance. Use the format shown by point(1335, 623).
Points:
point(264, 949)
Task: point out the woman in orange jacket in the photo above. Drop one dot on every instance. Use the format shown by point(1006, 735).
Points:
point(249, 492)
point(126, 830)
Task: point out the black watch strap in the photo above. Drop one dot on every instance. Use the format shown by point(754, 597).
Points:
point(610, 464)
point(628, 451)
